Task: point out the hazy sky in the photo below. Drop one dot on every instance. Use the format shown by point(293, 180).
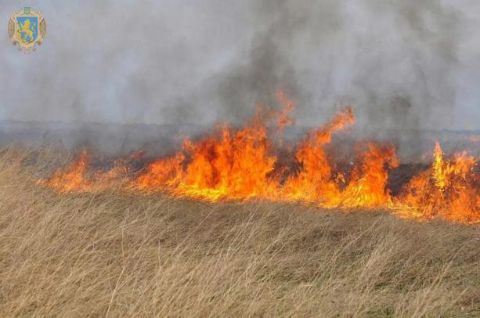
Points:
point(401, 63)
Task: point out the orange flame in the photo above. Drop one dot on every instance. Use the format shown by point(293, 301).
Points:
point(284, 118)
point(234, 165)
point(73, 178)
point(244, 164)
point(315, 181)
point(368, 187)
point(76, 177)
point(448, 189)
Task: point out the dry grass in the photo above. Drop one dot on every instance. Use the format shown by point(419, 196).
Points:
point(119, 255)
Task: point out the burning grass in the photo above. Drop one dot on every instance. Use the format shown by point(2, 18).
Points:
point(116, 253)
point(244, 164)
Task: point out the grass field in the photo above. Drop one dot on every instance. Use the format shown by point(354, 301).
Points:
point(125, 255)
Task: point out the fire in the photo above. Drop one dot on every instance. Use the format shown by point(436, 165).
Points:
point(228, 165)
point(315, 182)
point(449, 189)
point(368, 187)
point(73, 178)
point(77, 178)
point(248, 163)
point(284, 118)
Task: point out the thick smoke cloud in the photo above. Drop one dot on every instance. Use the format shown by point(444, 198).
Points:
point(401, 64)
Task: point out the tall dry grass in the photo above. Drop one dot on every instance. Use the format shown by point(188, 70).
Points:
point(122, 255)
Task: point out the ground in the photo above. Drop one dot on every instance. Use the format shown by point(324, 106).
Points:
point(128, 255)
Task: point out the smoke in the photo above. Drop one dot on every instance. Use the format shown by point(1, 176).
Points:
point(395, 61)
point(403, 65)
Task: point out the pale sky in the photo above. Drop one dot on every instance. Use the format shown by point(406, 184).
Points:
point(205, 60)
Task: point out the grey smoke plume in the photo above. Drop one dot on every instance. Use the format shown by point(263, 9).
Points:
point(403, 64)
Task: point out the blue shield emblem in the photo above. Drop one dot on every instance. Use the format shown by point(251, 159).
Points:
point(28, 28)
